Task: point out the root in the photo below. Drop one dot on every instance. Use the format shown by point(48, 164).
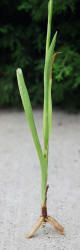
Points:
point(35, 228)
point(42, 220)
point(55, 224)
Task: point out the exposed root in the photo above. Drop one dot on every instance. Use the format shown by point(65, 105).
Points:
point(42, 220)
point(55, 224)
point(35, 228)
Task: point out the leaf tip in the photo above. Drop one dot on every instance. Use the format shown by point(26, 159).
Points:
point(19, 71)
point(56, 32)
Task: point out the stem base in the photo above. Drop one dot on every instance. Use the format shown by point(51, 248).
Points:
point(45, 218)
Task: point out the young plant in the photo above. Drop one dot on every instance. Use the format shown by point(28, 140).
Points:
point(47, 122)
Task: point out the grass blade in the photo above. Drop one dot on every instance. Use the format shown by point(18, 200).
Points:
point(49, 107)
point(49, 93)
point(28, 111)
point(47, 71)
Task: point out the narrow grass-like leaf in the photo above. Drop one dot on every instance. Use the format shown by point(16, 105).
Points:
point(28, 111)
point(50, 10)
point(49, 106)
point(49, 93)
point(48, 60)
point(46, 87)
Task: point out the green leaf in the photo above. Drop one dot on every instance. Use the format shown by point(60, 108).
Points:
point(49, 107)
point(47, 70)
point(28, 111)
point(48, 60)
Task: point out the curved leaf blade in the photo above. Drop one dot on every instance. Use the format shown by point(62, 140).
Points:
point(47, 95)
point(28, 111)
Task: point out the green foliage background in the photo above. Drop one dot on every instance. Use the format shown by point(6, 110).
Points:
point(22, 44)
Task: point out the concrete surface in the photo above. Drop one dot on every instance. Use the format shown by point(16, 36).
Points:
point(20, 182)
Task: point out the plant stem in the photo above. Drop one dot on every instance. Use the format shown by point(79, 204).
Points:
point(45, 114)
point(46, 97)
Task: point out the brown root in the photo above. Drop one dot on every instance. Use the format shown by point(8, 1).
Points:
point(55, 224)
point(44, 218)
point(35, 228)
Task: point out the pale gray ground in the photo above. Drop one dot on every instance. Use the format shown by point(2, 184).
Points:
point(20, 182)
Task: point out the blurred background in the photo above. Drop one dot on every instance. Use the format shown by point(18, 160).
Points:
point(23, 25)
